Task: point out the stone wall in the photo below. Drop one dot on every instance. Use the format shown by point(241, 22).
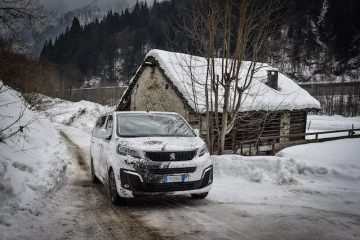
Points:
point(284, 126)
point(152, 92)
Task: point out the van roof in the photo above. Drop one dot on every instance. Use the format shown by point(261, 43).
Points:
point(143, 112)
point(137, 112)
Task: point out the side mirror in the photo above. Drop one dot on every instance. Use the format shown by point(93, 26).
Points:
point(104, 134)
point(197, 132)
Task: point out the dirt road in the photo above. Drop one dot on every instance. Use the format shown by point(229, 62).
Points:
point(77, 209)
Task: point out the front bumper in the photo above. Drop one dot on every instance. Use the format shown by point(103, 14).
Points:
point(151, 184)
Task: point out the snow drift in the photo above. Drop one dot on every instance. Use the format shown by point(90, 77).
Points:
point(336, 158)
point(80, 115)
point(32, 160)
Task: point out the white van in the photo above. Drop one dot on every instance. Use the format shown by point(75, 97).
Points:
point(149, 153)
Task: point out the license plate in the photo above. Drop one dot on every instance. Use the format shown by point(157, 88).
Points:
point(177, 178)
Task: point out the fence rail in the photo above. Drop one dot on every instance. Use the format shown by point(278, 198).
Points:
point(272, 139)
point(341, 98)
point(102, 95)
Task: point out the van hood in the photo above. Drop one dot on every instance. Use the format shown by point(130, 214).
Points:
point(157, 144)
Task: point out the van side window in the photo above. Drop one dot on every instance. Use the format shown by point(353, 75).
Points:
point(100, 122)
point(109, 123)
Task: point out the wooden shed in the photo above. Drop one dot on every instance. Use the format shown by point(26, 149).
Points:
point(274, 104)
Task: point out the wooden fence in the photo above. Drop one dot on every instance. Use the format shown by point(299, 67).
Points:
point(102, 95)
point(341, 98)
point(269, 144)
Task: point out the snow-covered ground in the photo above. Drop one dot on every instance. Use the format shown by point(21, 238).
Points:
point(328, 123)
point(32, 155)
point(305, 191)
point(80, 115)
point(323, 123)
point(328, 172)
point(298, 172)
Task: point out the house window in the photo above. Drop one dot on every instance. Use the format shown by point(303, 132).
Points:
point(166, 86)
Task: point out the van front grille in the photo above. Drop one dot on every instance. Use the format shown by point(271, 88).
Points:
point(167, 187)
point(168, 171)
point(171, 156)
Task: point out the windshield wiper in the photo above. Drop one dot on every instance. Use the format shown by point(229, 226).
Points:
point(131, 136)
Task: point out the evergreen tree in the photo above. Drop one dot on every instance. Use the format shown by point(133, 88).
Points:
point(115, 46)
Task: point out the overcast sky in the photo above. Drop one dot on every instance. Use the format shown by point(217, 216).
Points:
point(73, 4)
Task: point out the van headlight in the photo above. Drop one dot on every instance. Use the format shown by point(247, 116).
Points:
point(122, 150)
point(203, 150)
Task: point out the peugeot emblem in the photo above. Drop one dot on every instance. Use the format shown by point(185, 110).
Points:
point(172, 156)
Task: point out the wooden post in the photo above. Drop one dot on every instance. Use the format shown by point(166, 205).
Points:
point(250, 150)
point(241, 147)
point(273, 147)
point(316, 137)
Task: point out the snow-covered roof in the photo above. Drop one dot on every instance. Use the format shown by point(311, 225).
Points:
point(188, 74)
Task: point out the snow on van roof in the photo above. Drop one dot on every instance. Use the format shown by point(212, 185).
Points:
point(188, 74)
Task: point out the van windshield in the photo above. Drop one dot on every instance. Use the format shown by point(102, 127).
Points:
point(152, 125)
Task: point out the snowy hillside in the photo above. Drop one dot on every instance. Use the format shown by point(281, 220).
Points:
point(32, 161)
point(59, 15)
point(80, 115)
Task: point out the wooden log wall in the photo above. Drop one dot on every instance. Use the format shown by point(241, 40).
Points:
point(297, 124)
point(251, 125)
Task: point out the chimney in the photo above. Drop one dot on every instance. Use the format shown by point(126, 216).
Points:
point(272, 78)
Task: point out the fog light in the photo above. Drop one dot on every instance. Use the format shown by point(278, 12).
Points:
point(126, 186)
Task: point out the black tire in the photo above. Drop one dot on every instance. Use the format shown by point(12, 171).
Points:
point(94, 178)
point(113, 193)
point(199, 195)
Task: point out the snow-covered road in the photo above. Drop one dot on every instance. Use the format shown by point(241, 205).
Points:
point(308, 191)
point(235, 209)
point(77, 209)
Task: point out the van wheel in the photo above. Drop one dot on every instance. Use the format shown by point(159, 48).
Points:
point(94, 178)
point(199, 195)
point(114, 196)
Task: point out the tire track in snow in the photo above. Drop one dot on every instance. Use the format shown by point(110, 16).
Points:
point(117, 222)
point(76, 152)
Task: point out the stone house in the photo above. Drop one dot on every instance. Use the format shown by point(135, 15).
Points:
point(273, 105)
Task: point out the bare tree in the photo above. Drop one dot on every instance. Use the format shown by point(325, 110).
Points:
point(228, 33)
point(16, 125)
point(15, 69)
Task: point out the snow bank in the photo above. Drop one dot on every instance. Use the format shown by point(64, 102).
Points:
point(80, 115)
point(255, 169)
point(339, 158)
point(328, 123)
point(32, 161)
point(319, 175)
point(276, 170)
